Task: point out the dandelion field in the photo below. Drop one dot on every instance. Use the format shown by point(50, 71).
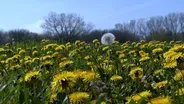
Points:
point(81, 73)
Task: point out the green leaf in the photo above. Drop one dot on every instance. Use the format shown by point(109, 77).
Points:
point(101, 98)
point(21, 97)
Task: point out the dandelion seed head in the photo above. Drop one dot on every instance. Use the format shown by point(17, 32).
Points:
point(107, 39)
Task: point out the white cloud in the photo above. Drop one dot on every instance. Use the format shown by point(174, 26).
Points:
point(34, 27)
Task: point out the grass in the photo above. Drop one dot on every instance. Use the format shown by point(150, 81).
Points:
point(49, 72)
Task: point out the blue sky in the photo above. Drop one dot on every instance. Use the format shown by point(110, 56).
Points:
point(104, 14)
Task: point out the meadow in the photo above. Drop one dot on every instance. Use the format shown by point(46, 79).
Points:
point(47, 72)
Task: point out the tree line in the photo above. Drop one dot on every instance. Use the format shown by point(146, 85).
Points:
point(70, 27)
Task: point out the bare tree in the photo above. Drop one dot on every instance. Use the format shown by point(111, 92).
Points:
point(181, 22)
point(121, 27)
point(66, 26)
point(143, 30)
point(155, 24)
point(2, 37)
point(132, 26)
point(19, 35)
point(172, 23)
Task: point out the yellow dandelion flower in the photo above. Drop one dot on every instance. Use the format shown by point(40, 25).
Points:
point(3, 55)
point(35, 59)
point(34, 53)
point(72, 53)
point(34, 48)
point(78, 97)
point(132, 65)
point(105, 48)
point(77, 42)
point(115, 42)
point(180, 91)
point(47, 57)
point(103, 102)
point(65, 63)
point(107, 67)
point(99, 58)
point(48, 46)
point(52, 97)
point(138, 44)
point(9, 60)
point(171, 56)
point(49, 52)
point(132, 52)
point(144, 59)
point(68, 45)
point(60, 48)
point(176, 56)
point(90, 63)
point(63, 81)
point(106, 61)
point(27, 58)
point(47, 63)
point(44, 41)
point(161, 100)
point(139, 96)
point(177, 47)
point(179, 75)
point(168, 54)
point(144, 94)
point(95, 41)
point(64, 58)
point(121, 55)
point(43, 49)
point(18, 49)
point(143, 46)
point(171, 64)
point(82, 43)
point(116, 77)
point(172, 42)
point(136, 73)
point(56, 54)
point(87, 57)
point(133, 43)
point(157, 50)
point(123, 60)
point(28, 62)
point(79, 73)
point(7, 44)
point(125, 46)
point(89, 76)
point(160, 84)
point(143, 54)
point(155, 60)
point(31, 74)
point(2, 62)
point(93, 102)
point(158, 71)
point(9, 50)
point(15, 67)
point(1, 50)
point(22, 52)
point(17, 56)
